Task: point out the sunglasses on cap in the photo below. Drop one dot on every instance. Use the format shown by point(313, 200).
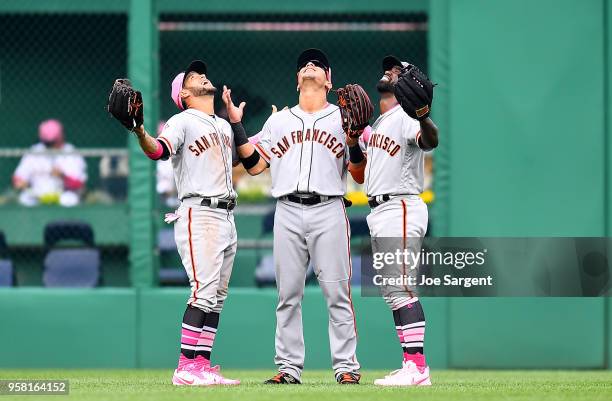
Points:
point(317, 63)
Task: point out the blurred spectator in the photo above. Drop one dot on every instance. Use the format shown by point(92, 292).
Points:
point(166, 187)
point(114, 171)
point(428, 195)
point(51, 172)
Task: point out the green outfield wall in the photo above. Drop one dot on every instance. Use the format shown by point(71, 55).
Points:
point(520, 155)
point(121, 328)
point(525, 157)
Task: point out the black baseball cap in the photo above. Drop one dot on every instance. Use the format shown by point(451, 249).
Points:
point(312, 55)
point(196, 66)
point(391, 61)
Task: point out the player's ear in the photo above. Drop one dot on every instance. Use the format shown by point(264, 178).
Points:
point(184, 94)
point(328, 85)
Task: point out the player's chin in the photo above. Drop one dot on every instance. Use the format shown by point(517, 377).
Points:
point(312, 76)
point(384, 86)
point(312, 81)
point(206, 91)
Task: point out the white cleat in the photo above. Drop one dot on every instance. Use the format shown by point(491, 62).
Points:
point(408, 375)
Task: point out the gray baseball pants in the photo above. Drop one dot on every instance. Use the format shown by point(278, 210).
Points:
point(320, 233)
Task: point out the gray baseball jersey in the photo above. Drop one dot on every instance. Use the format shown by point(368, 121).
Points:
point(395, 161)
point(306, 151)
point(200, 145)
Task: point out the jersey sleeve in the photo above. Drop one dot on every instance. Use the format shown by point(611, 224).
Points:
point(364, 138)
point(264, 141)
point(412, 131)
point(173, 135)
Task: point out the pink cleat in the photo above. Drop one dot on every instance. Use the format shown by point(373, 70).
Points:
point(199, 373)
point(408, 375)
point(189, 376)
point(215, 371)
point(194, 377)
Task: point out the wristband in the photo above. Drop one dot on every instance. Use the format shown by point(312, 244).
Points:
point(251, 161)
point(355, 154)
point(240, 136)
point(157, 153)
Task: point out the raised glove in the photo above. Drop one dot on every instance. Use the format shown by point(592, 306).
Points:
point(125, 104)
point(414, 92)
point(355, 108)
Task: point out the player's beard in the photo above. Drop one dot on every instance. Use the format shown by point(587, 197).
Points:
point(384, 86)
point(204, 91)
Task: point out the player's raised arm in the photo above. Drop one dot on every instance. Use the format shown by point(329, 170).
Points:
point(414, 92)
point(357, 159)
point(125, 105)
point(153, 148)
point(356, 110)
point(429, 134)
point(250, 158)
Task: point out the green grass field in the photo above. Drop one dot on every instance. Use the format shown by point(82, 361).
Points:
point(154, 385)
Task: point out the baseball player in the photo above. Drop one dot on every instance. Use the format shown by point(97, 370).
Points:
point(199, 144)
point(304, 147)
point(392, 170)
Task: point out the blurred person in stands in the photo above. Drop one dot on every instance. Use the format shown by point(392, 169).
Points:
point(51, 172)
point(166, 187)
point(114, 170)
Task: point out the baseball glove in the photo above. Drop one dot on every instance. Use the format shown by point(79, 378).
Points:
point(414, 92)
point(355, 108)
point(125, 104)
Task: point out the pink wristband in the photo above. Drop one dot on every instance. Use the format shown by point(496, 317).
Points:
point(158, 152)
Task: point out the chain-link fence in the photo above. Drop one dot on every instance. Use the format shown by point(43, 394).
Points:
point(56, 69)
point(63, 164)
point(256, 55)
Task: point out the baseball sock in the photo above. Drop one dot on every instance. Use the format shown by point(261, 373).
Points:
point(191, 329)
point(410, 325)
point(207, 337)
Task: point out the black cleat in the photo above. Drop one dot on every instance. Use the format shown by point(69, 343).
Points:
point(348, 378)
point(282, 378)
